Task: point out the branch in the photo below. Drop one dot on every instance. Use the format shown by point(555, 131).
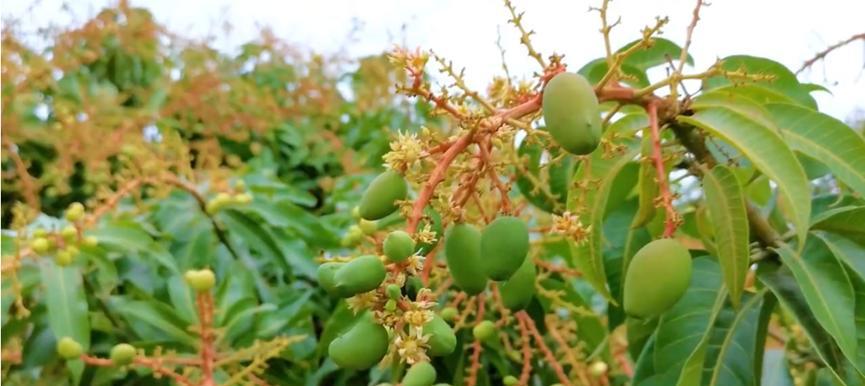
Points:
point(204, 300)
point(527, 353)
point(539, 341)
point(822, 54)
point(476, 347)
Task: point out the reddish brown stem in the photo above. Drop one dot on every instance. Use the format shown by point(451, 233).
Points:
point(204, 301)
point(526, 348)
point(539, 341)
point(666, 197)
point(476, 347)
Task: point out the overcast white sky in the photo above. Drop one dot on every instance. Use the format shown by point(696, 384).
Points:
point(465, 31)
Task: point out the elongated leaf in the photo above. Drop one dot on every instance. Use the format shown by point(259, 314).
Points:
point(767, 151)
point(679, 345)
point(731, 353)
point(785, 287)
point(849, 252)
point(777, 77)
point(589, 255)
point(824, 138)
point(155, 315)
point(848, 221)
point(655, 55)
point(725, 201)
point(66, 302)
point(827, 290)
point(595, 70)
point(775, 370)
point(859, 314)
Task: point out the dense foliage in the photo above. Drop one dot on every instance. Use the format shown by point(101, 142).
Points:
point(174, 214)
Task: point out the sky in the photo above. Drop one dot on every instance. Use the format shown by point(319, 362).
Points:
point(465, 31)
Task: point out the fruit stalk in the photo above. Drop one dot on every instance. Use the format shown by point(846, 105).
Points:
point(208, 353)
point(666, 197)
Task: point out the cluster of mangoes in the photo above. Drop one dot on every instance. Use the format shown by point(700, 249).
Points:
point(64, 244)
point(121, 354)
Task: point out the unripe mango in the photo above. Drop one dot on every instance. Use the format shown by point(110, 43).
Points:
point(449, 313)
point(325, 275)
point(442, 339)
point(463, 255)
point(572, 114)
point(517, 292)
point(379, 199)
point(504, 245)
point(363, 274)
point(361, 347)
point(658, 275)
point(484, 330)
point(68, 348)
point(420, 374)
point(398, 245)
point(122, 354)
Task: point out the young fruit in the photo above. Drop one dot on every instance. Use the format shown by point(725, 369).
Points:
point(122, 354)
point(463, 255)
point(420, 374)
point(517, 292)
point(484, 330)
point(504, 245)
point(40, 245)
point(68, 348)
point(393, 291)
point(367, 227)
point(363, 274)
point(510, 380)
point(90, 241)
point(598, 368)
point(657, 277)
point(442, 339)
point(449, 313)
point(361, 347)
point(243, 198)
point(325, 276)
point(200, 280)
point(74, 212)
point(398, 245)
point(69, 233)
point(353, 236)
point(379, 199)
point(64, 257)
point(571, 113)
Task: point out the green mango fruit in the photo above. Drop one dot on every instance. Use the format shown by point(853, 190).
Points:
point(379, 199)
point(420, 374)
point(504, 246)
point(363, 274)
point(658, 275)
point(517, 292)
point(463, 255)
point(572, 113)
point(361, 347)
point(326, 274)
point(442, 339)
point(68, 348)
point(398, 246)
point(122, 354)
point(484, 330)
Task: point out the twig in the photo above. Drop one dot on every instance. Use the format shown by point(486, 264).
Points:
point(207, 350)
point(476, 347)
point(527, 353)
point(822, 54)
point(539, 341)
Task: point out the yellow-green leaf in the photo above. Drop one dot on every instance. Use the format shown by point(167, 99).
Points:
point(725, 201)
point(767, 151)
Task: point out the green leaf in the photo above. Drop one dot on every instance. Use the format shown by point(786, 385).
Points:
point(859, 314)
point(595, 70)
point(553, 177)
point(848, 221)
point(589, 254)
point(726, 204)
point(66, 302)
point(775, 370)
point(734, 345)
point(683, 334)
point(157, 315)
point(767, 151)
point(782, 79)
point(256, 237)
point(785, 287)
point(846, 250)
point(827, 290)
point(655, 55)
point(182, 299)
point(825, 139)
